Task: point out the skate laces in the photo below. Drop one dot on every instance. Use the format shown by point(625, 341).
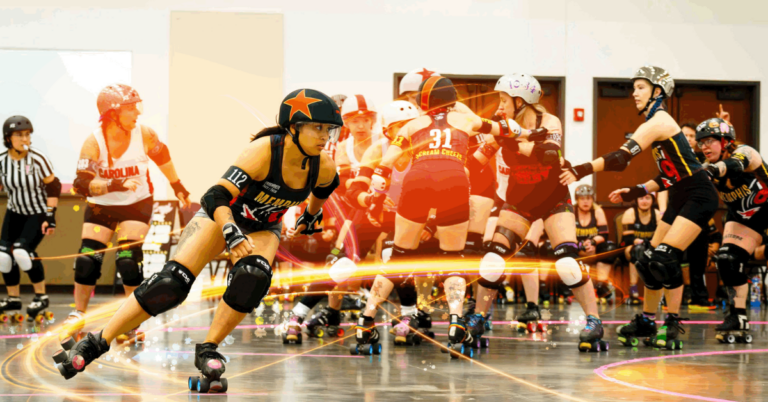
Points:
point(475, 320)
point(673, 321)
point(592, 322)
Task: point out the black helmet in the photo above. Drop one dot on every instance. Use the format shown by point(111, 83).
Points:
point(436, 93)
point(308, 105)
point(715, 127)
point(585, 190)
point(13, 124)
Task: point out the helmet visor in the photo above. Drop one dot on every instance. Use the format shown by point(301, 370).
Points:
point(323, 130)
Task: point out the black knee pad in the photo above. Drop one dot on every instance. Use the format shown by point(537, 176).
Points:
point(665, 266)
point(88, 263)
point(641, 257)
point(732, 264)
point(605, 247)
point(12, 278)
point(474, 244)
point(572, 272)
point(37, 272)
point(546, 251)
point(527, 250)
point(129, 262)
point(165, 289)
point(248, 283)
point(400, 254)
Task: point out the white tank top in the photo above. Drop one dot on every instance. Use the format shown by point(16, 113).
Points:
point(502, 177)
point(354, 164)
point(396, 182)
point(132, 164)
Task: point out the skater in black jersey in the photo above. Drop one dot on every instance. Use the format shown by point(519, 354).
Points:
point(692, 197)
point(282, 167)
point(33, 193)
point(638, 224)
point(592, 234)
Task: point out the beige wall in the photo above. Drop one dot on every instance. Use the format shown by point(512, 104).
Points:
point(218, 61)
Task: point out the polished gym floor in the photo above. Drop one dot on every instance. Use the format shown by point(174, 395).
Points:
point(515, 367)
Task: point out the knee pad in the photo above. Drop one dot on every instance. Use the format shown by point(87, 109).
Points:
point(492, 268)
point(664, 266)
point(88, 263)
point(573, 273)
point(248, 283)
point(474, 244)
point(386, 250)
point(6, 262)
point(342, 269)
point(546, 251)
point(36, 274)
point(129, 262)
point(512, 237)
point(22, 257)
point(12, 278)
point(165, 289)
point(605, 247)
point(732, 265)
point(641, 257)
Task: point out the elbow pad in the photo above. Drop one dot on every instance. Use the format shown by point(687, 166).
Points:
point(736, 163)
point(216, 196)
point(548, 154)
point(602, 230)
point(323, 193)
point(82, 183)
point(159, 154)
point(617, 161)
point(53, 189)
point(353, 193)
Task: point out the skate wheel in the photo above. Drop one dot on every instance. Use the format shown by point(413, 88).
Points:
point(634, 341)
point(49, 315)
point(259, 320)
point(192, 383)
point(60, 356)
point(531, 327)
point(485, 343)
point(719, 338)
point(353, 350)
point(730, 338)
point(218, 386)
point(604, 346)
point(521, 328)
point(4, 318)
point(431, 334)
point(457, 350)
point(340, 332)
point(319, 332)
point(63, 371)
point(78, 363)
point(39, 319)
point(68, 343)
point(19, 317)
point(376, 348)
point(203, 385)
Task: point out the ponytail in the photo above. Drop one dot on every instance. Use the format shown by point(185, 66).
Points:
point(267, 131)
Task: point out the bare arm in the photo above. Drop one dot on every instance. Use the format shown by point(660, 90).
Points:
point(158, 152)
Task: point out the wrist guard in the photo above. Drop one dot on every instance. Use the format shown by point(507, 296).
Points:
point(634, 193)
point(583, 170)
point(310, 220)
point(179, 188)
point(50, 217)
point(232, 235)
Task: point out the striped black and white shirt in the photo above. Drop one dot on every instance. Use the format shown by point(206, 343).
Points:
point(23, 181)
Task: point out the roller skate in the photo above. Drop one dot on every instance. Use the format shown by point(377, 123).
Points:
point(73, 326)
point(668, 333)
point(590, 338)
point(605, 293)
point(36, 311)
point(10, 310)
point(326, 321)
point(529, 320)
point(487, 323)
point(641, 327)
point(211, 366)
point(292, 329)
point(73, 357)
point(405, 331)
point(735, 328)
point(476, 327)
point(566, 297)
point(634, 296)
point(133, 336)
point(367, 337)
point(425, 323)
point(459, 338)
point(351, 307)
point(267, 312)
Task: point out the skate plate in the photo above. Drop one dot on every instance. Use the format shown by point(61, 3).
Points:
point(594, 346)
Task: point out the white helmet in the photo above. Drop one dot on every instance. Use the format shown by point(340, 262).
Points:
point(520, 85)
point(412, 80)
point(399, 111)
point(357, 105)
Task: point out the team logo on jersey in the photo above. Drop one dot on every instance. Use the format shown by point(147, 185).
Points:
point(667, 182)
point(749, 213)
point(119, 173)
point(300, 103)
point(271, 186)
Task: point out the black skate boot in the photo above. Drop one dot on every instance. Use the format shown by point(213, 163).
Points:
point(36, 311)
point(476, 327)
point(591, 337)
point(367, 337)
point(10, 310)
point(326, 321)
point(351, 307)
point(459, 338)
point(292, 329)
point(425, 323)
point(211, 366)
point(735, 328)
point(529, 320)
point(634, 296)
point(605, 293)
point(668, 333)
point(80, 354)
point(641, 327)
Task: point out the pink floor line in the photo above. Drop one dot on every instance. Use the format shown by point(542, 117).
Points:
point(137, 394)
point(600, 371)
point(260, 354)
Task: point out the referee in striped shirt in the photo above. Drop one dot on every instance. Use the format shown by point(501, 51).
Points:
point(33, 193)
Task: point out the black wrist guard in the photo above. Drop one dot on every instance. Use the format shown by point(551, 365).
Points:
point(310, 220)
point(179, 188)
point(583, 170)
point(115, 185)
point(232, 235)
point(634, 193)
point(50, 217)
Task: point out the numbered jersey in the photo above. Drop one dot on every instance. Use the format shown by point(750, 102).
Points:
point(132, 164)
point(588, 231)
point(439, 144)
point(262, 203)
point(675, 159)
point(744, 192)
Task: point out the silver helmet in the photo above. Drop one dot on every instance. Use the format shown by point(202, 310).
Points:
point(657, 77)
point(585, 190)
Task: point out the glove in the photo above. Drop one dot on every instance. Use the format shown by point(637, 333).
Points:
point(634, 193)
point(116, 185)
point(538, 135)
point(232, 235)
point(310, 220)
point(712, 170)
point(547, 154)
point(179, 188)
point(50, 217)
point(582, 171)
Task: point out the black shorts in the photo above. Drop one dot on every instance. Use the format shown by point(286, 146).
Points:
point(498, 204)
point(695, 198)
point(21, 231)
point(544, 210)
point(757, 221)
point(110, 215)
point(445, 190)
point(482, 182)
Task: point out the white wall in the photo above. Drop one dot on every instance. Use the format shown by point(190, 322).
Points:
point(356, 46)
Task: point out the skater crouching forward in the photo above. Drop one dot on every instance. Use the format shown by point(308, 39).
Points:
point(282, 166)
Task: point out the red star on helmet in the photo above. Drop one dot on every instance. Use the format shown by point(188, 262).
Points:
point(424, 73)
point(300, 103)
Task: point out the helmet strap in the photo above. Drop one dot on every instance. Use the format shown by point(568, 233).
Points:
point(295, 138)
point(654, 108)
point(724, 144)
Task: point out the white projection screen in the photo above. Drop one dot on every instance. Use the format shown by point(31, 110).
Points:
point(56, 90)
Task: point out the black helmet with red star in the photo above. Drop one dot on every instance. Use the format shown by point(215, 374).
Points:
point(308, 105)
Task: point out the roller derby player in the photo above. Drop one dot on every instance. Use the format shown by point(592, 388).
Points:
point(33, 193)
point(409, 84)
point(282, 167)
point(639, 224)
point(438, 142)
point(741, 177)
point(533, 192)
point(592, 235)
point(692, 201)
point(112, 173)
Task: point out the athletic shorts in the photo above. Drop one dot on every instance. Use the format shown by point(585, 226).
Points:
point(110, 215)
point(248, 228)
point(445, 190)
point(482, 182)
point(758, 221)
point(544, 210)
point(498, 204)
point(21, 231)
point(694, 198)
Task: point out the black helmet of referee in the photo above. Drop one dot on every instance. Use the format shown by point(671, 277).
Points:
point(13, 124)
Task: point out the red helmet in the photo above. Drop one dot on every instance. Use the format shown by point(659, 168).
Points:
point(357, 105)
point(116, 95)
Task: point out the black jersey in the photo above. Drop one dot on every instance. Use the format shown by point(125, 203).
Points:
point(439, 145)
point(675, 159)
point(642, 230)
point(587, 231)
point(263, 203)
point(743, 192)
